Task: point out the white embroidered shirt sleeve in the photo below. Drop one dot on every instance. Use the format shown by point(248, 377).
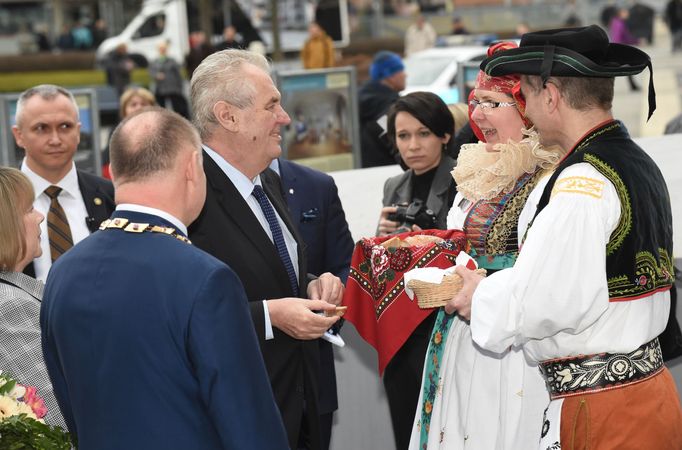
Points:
point(558, 284)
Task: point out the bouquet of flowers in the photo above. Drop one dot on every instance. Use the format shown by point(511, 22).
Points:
point(21, 420)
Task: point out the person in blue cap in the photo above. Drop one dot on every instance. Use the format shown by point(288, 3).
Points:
point(387, 79)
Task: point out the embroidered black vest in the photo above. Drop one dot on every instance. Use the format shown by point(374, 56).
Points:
point(640, 249)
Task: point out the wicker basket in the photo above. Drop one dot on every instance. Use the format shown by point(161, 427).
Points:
point(432, 295)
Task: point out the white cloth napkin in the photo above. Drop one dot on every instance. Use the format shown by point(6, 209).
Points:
point(434, 274)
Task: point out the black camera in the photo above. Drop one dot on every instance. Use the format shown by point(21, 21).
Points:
point(416, 213)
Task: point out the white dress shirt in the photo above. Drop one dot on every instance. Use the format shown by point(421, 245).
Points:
point(245, 187)
point(71, 200)
point(555, 301)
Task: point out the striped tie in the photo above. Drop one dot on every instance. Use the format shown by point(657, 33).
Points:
point(277, 236)
point(58, 230)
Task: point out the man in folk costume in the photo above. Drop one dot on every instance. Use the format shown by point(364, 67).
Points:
point(590, 290)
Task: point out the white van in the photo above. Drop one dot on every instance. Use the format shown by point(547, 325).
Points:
point(169, 20)
point(159, 20)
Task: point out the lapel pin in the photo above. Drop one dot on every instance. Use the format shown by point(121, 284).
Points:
point(291, 190)
point(97, 201)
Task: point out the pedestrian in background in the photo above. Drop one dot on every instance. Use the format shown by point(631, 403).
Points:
point(230, 39)
point(168, 81)
point(619, 33)
point(82, 36)
point(65, 39)
point(318, 50)
point(458, 27)
point(673, 17)
point(132, 100)
point(419, 36)
point(99, 32)
point(199, 49)
point(387, 74)
point(118, 68)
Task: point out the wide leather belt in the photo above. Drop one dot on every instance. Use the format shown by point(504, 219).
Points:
point(583, 374)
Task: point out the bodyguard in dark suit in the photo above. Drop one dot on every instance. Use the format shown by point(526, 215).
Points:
point(147, 339)
point(245, 223)
point(48, 129)
point(315, 207)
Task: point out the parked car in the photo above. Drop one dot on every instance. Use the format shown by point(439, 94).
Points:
point(435, 70)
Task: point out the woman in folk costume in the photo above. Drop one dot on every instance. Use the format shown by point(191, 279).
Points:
point(471, 398)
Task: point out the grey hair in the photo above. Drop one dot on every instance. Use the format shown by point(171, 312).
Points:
point(46, 92)
point(220, 77)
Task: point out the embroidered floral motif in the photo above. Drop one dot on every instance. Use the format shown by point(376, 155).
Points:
point(491, 225)
point(502, 237)
point(439, 335)
point(579, 185)
point(381, 264)
point(570, 376)
point(650, 275)
point(379, 261)
point(400, 259)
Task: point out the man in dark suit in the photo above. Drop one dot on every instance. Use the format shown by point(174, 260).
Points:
point(147, 339)
point(245, 223)
point(315, 208)
point(48, 129)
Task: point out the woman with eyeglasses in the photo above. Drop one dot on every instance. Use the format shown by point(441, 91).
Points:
point(472, 398)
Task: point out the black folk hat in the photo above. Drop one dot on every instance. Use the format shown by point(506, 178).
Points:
point(571, 52)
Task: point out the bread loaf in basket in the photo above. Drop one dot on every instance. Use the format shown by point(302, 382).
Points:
point(432, 295)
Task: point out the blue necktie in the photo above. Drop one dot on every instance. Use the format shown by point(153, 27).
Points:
point(277, 236)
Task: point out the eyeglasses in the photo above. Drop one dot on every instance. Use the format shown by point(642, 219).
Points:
point(488, 107)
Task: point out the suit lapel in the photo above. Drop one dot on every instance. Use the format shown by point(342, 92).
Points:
point(403, 192)
point(237, 211)
point(94, 200)
point(290, 191)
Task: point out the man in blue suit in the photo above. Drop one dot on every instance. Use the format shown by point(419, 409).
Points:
point(313, 200)
point(148, 340)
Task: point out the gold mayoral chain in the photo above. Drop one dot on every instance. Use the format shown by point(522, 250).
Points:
point(131, 227)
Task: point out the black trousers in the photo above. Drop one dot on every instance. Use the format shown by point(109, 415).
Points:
point(403, 378)
point(178, 103)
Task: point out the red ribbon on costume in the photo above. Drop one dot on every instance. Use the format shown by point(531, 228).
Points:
point(378, 306)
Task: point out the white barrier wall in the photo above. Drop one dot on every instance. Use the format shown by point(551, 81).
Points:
point(362, 421)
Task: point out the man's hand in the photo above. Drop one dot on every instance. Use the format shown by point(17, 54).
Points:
point(327, 287)
point(462, 301)
point(295, 317)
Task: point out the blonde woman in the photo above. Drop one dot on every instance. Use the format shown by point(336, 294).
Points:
point(472, 398)
point(132, 100)
point(21, 353)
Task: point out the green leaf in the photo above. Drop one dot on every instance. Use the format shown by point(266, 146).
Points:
point(8, 386)
point(364, 267)
point(23, 433)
